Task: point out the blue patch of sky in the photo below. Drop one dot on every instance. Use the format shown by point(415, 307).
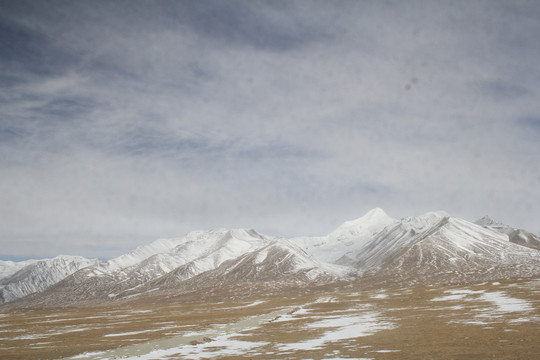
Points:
point(226, 158)
point(108, 70)
point(9, 133)
point(15, 258)
point(501, 90)
point(397, 123)
point(66, 109)
point(372, 188)
point(148, 146)
point(28, 51)
point(275, 150)
point(151, 142)
point(18, 43)
point(530, 130)
point(245, 23)
point(531, 122)
point(59, 115)
point(8, 80)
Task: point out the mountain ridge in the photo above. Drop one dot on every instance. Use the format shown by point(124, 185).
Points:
point(429, 248)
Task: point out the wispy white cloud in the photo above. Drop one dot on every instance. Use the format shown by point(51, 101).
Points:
point(125, 121)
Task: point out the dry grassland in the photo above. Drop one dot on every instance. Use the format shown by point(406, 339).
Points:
point(483, 321)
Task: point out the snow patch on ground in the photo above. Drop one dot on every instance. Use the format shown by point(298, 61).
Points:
point(454, 297)
point(293, 315)
point(255, 303)
point(126, 333)
point(348, 358)
point(532, 319)
point(345, 328)
point(505, 303)
point(221, 346)
point(88, 354)
point(501, 304)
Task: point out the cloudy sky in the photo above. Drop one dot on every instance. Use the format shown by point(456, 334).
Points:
point(125, 121)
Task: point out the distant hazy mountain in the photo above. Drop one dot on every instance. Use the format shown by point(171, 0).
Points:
point(426, 249)
point(517, 236)
point(8, 268)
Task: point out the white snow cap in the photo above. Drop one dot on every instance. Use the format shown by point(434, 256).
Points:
point(374, 221)
point(426, 220)
point(485, 221)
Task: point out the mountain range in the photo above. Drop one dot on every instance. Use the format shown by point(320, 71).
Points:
point(426, 249)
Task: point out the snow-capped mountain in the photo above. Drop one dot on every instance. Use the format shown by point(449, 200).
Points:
point(348, 239)
point(278, 259)
point(39, 275)
point(455, 250)
point(197, 252)
point(8, 268)
point(489, 223)
point(429, 248)
point(517, 236)
point(524, 238)
point(392, 240)
point(142, 253)
point(430, 244)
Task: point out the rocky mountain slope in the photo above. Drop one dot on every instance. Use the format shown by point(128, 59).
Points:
point(40, 275)
point(425, 249)
point(8, 268)
point(517, 236)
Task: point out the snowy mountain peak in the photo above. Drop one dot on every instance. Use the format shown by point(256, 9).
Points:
point(485, 221)
point(143, 252)
point(524, 238)
point(488, 222)
point(424, 247)
point(425, 221)
point(372, 222)
point(375, 213)
point(66, 258)
point(516, 236)
point(8, 268)
point(41, 274)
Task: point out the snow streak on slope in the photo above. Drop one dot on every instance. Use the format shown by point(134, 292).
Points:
point(525, 238)
point(8, 268)
point(428, 248)
point(40, 275)
point(393, 240)
point(141, 253)
point(371, 242)
point(517, 236)
point(198, 252)
point(348, 239)
point(489, 223)
point(462, 251)
point(279, 260)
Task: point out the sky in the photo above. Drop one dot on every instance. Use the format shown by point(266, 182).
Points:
point(122, 122)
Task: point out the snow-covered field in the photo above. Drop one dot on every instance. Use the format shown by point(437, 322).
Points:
point(483, 320)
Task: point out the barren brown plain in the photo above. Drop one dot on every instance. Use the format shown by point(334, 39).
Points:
point(493, 320)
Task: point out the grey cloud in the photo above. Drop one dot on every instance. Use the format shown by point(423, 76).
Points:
point(255, 24)
point(28, 51)
point(530, 122)
point(499, 90)
point(65, 108)
point(151, 121)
